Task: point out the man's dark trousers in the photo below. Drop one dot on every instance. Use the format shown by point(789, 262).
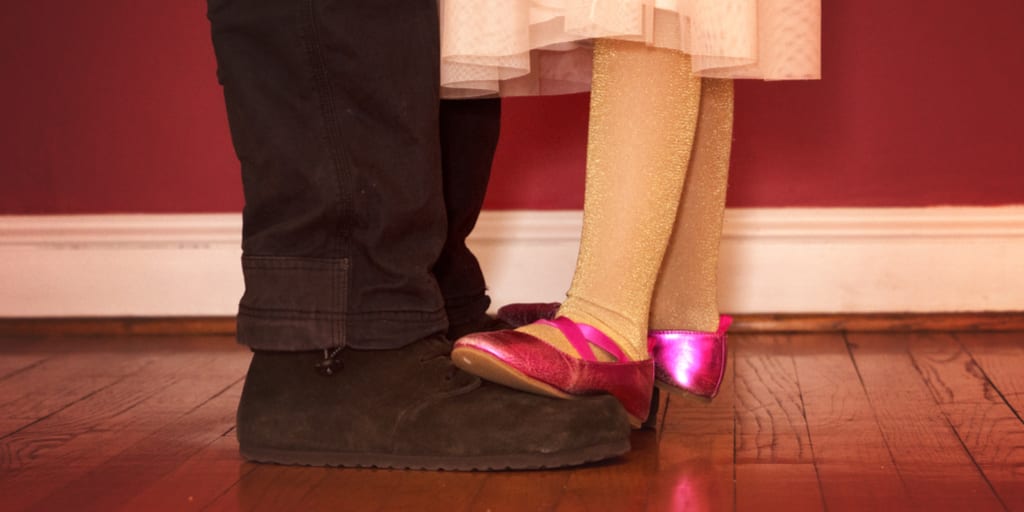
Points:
point(360, 185)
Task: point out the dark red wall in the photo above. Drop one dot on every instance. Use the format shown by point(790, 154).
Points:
point(112, 106)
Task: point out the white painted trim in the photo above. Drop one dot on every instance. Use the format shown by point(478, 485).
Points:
point(773, 260)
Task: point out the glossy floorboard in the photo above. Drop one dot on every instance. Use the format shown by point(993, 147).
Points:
point(828, 421)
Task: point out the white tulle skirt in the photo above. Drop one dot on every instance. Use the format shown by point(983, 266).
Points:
point(535, 47)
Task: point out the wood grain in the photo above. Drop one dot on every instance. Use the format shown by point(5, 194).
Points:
point(929, 456)
point(1000, 356)
point(269, 487)
point(695, 452)
point(693, 472)
point(116, 480)
point(770, 424)
point(381, 489)
point(55, 384)
point(433, 491)
point(512, 492)
point(862, 421)
point(855, 467)
point(355, 489)
point(197, 482)
point(782, 487)
point(13, 363)
point(772, 446)
point(988, 426)
point(68, 445)
point(620, 484)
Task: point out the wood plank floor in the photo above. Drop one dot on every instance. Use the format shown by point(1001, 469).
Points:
point(809, 421)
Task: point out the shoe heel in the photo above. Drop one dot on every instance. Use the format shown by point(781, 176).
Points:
point(691, 363)
point(651, 423)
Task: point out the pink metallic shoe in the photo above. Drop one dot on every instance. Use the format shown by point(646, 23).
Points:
point(691, 362)
point(525, 362)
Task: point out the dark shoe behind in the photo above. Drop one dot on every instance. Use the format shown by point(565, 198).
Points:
point(479, 323)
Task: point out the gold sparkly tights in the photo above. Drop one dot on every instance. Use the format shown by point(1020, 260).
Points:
point(644, 114)
point(686, 293)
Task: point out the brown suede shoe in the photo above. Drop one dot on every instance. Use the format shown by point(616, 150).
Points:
point(522, 313)
point(412, 408)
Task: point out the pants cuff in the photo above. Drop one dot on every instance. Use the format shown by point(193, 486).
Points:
point(461, 310)
point(295, 304)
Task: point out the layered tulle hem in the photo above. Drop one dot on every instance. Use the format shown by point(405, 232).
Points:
point(544, 47)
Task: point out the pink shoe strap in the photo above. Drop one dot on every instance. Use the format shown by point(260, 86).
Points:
point(581, 336)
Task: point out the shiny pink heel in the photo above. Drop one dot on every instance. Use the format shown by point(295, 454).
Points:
point(691, 362)
point(525, 362)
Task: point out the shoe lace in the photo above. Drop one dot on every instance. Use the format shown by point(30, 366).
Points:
point(331, 363)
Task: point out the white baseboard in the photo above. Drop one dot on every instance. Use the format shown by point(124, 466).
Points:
point(799, 260)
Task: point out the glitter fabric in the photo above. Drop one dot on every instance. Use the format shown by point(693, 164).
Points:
point(643, 116)
point(686, 293)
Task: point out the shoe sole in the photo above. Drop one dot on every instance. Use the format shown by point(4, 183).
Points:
point(556, 460)
point(490, 368)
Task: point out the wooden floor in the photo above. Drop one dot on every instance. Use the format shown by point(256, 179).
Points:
point(858, 421)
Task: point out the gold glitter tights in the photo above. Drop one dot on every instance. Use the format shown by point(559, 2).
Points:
point(649, 246)
point(686, 292)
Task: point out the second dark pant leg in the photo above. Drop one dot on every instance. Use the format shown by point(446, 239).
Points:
point(469, 136)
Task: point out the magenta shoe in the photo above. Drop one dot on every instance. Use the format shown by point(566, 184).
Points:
point(691, 361)
point(525, 362)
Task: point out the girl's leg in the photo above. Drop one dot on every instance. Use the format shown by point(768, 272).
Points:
point(643, 116)
point(685, 296)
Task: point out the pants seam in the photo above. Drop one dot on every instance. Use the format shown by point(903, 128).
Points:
point(341, 160)
point(322, 86)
